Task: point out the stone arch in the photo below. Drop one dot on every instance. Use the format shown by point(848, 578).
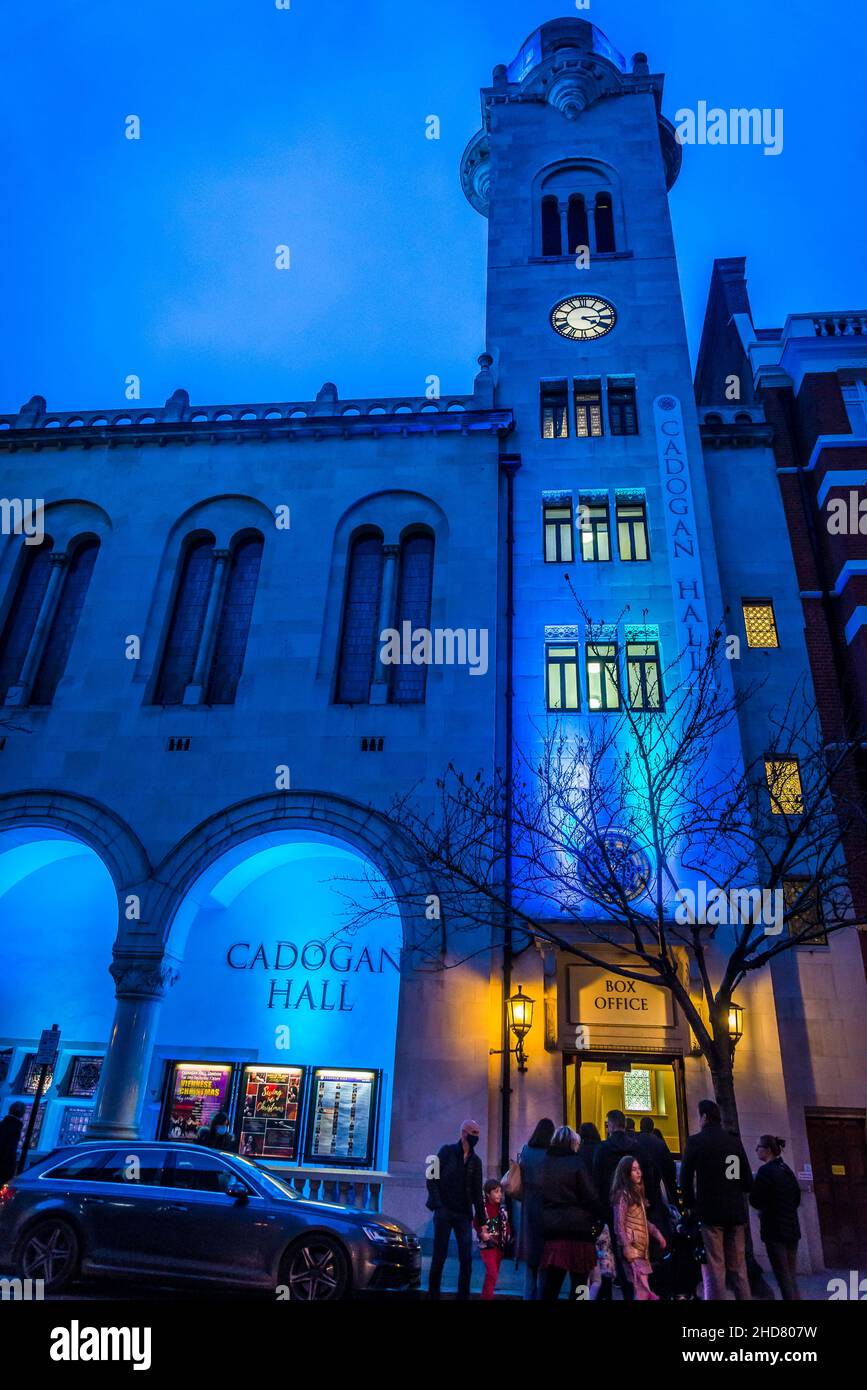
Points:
point(584, 176)
point(98, 827)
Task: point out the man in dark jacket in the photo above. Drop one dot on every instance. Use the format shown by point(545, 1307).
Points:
point(10, 1137)
point(655, 1149)
point(605, 1160)
point(455, 1195)
point(715, 1177)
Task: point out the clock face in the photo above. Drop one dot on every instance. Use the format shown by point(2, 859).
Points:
point(584, 316)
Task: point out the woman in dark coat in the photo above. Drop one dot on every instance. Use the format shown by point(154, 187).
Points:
point(530, 1236)
point(776, 1196)
point(10, 1137)
point(571, 1216)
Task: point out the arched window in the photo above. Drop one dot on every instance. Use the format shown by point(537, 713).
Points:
point(578, 233)
point(551, 233)
point(187, 621)
point(234, 623)
point(23, 612)
point(604, 222)
point(65, 622)
point(358, 641)
point(413, 606)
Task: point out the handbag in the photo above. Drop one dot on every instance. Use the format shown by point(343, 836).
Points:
point(512, 1182)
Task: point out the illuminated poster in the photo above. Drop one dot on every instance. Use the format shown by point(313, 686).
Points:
point(197, 1091)
point(85, 1077)
point(342, 1122)
point(73, 1125)
point(271, 1099)
point(31, 1076)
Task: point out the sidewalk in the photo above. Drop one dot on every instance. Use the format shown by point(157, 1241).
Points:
point(813, 1287)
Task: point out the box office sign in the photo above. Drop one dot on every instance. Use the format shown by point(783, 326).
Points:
point(602, 998)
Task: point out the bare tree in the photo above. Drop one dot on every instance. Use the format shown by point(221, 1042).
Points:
point(587, 841)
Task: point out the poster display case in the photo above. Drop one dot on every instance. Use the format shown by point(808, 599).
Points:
point(31, 1076)
point(74, 1123)
point(84, 1077)
point(269, 1112)
point(341, 1123)
point(194, 1094)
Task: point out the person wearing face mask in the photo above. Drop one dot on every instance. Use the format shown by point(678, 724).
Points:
point(455, 1196)
point(216, 1134)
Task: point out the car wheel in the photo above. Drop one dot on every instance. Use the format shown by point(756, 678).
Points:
point(49, 1251)
point(316, 1269)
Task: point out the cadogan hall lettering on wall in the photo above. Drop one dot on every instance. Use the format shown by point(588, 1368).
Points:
point(682, 531)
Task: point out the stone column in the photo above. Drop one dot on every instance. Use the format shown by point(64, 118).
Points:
point(197, 688)
point(19, 693)
point(387, 599)
point(140, 989)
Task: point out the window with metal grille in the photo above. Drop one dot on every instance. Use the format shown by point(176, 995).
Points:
point(759, 622)
point(804, 911)
point(415, 580)
point(603, 684)
point(784, 786)
point(551, 233)
point(234, 623)
point(196, 573)
point(593, 525)
point(644, 675)
point(579, 234)
point(557, 528)
point(32, 581)
point(588, 408)
point(604, 220)
point(561, 676)
point(622, 411)
point(637, 1092)
point(65, 622)
point(554, 410)
point(632, 530)
point(358, 641)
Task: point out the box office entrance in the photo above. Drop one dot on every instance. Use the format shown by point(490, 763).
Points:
point(639, 1085)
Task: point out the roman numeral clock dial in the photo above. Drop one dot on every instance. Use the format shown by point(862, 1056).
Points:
point(583, 317)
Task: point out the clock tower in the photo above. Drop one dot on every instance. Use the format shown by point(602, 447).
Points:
point(572, 168)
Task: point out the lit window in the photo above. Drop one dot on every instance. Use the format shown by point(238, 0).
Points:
point(632, 530)
point(622, 412)
point(603, 686)
point(855, 401)
point(593, 522)
point(588, 408)
point(784, 786)
point(562, 676)
point(761, 628)
point(643, 675)
point(804, 911)
point(555, 410)
point(557, 525)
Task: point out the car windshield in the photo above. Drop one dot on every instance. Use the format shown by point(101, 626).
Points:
point(274, 1186)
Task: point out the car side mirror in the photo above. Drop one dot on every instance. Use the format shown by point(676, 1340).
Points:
point(239, 1192)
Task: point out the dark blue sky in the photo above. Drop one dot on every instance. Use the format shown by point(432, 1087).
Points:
point(306, 127)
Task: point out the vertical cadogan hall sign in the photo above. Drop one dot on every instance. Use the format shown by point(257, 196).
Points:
point(682, 530)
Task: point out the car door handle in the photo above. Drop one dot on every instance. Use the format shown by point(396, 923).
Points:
point(175, 1206)
point(93, 1201)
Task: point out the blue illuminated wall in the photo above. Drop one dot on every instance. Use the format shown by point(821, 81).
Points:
point(264, 946)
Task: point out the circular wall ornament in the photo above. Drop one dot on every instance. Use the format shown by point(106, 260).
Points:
point(630, 864)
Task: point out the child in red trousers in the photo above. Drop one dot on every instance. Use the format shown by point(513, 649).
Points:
point(494, 1236)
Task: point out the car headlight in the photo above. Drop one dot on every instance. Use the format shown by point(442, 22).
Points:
point(383, 1235)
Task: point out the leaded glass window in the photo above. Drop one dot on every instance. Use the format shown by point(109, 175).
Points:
point(187, 620)
point(359, 638)
point(23, 612)
point(65, 622)
point(234, 624)
point(415, 582)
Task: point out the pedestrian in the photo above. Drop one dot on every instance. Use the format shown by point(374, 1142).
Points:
point(632, 1228)
point(715, 1177)
point(603, 1290)
point(571, 1217)
point(590, 1141)
point(494, 1236)
point(617, 1144)
point(651, 1144)
point(455, 1196)
point(530, 1236)
point(776, 1196)
point(215, 1135)
point(10, 1137)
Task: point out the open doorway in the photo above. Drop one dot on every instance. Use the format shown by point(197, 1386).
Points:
point(638, 1085)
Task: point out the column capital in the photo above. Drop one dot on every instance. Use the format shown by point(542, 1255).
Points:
point(391, 550)
point(143, 979)
point(222, 554)
point(59, 558)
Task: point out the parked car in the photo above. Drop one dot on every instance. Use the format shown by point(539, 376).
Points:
point(173, 1211)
